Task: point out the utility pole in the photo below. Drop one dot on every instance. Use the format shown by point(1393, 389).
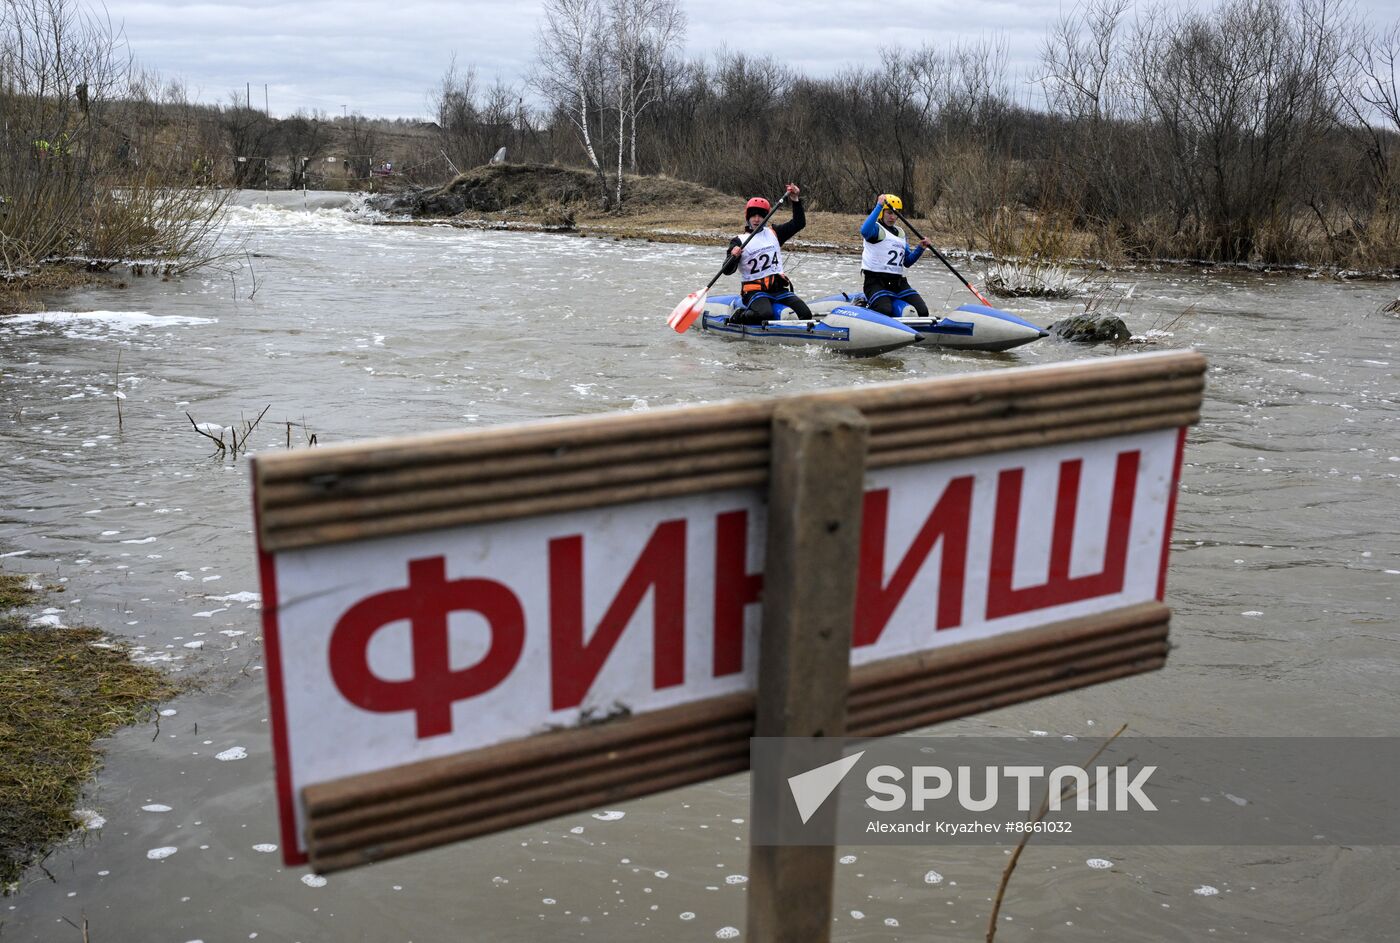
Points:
point(248, 95)
point(266, 110)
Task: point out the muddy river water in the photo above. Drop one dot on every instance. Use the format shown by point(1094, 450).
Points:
point(1284, 577)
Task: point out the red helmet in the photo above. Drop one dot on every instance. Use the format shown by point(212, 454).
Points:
point(757, 203)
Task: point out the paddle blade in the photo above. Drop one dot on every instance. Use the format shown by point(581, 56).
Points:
point(687, 311)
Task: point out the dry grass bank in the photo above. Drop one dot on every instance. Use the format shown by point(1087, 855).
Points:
point(22, 293)
point(59, 694)
point(540, 197)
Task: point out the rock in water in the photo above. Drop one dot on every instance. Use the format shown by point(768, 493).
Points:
point(1092, 329)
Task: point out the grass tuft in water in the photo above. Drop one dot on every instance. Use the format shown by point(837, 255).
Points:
point(17, 590)
point(58, 694)
point(1033, 279)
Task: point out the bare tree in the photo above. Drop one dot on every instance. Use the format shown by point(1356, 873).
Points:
point(570, 73)
point(1370, 95)
point(645, 33)
point(81, 175)
point(364, 146)
point(251, 135)
point(454, 105)
point(303, 138)
point(1244, 96)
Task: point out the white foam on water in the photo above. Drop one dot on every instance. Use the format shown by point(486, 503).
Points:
point(265, 848)
point(1236, 799)
point(159, 854)
point(143, 540)
point(98, 323)
point(322, 219)
point(1252, 613)
point(1099, 864)
point(244, 596)
point(933, 877)
point(687, 915)
point(155, 807)
point(169, 712)
point(1205, 890)
point(88, 819)
point(857, 915)
point(209, 613)
point(313, 880)
point(576, 830)
point(848, 859)
point(196, 644)
point(610, 816)
point(232, 753)
point(736, 879)
point(891, 922)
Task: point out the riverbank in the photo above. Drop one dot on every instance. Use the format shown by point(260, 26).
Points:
point(546, 198)
point(20, 291)
point(62, 689)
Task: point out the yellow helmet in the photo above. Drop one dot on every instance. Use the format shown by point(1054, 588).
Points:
point(893, 202)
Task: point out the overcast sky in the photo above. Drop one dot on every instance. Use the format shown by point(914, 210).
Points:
point(383, 58)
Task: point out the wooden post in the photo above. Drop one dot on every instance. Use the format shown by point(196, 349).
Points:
point(814, 510)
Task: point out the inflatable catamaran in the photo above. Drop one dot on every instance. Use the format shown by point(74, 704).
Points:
point(845, 328)
point(970, 327)
point(843, 325)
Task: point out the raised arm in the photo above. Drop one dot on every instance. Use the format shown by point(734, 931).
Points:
point(870, 229)
point(792, 227)
point(731, 260)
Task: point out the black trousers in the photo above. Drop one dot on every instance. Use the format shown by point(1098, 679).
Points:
point(882, 290)
point(759, 304)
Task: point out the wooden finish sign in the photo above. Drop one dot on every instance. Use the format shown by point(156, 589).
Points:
point(474, 631)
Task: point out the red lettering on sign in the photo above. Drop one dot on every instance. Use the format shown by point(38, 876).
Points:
point(1060, 588)
point(660, 568)
point(735, 589)
point(877, 600)
point(425, 603)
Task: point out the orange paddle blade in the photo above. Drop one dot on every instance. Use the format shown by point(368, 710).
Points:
point(687, 311)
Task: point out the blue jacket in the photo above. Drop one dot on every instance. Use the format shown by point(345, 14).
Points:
point(870, 231)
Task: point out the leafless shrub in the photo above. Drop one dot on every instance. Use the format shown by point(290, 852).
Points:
point(80, 172)
point(237, 435)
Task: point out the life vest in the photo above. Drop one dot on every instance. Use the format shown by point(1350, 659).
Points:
point(885, 256)
point(762, 257)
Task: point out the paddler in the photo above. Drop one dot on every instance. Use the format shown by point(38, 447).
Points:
point(884, 257)
point(760, 263)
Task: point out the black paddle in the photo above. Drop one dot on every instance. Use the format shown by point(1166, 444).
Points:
point(941, 257)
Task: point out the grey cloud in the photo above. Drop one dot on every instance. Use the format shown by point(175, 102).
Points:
point(382, 58)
